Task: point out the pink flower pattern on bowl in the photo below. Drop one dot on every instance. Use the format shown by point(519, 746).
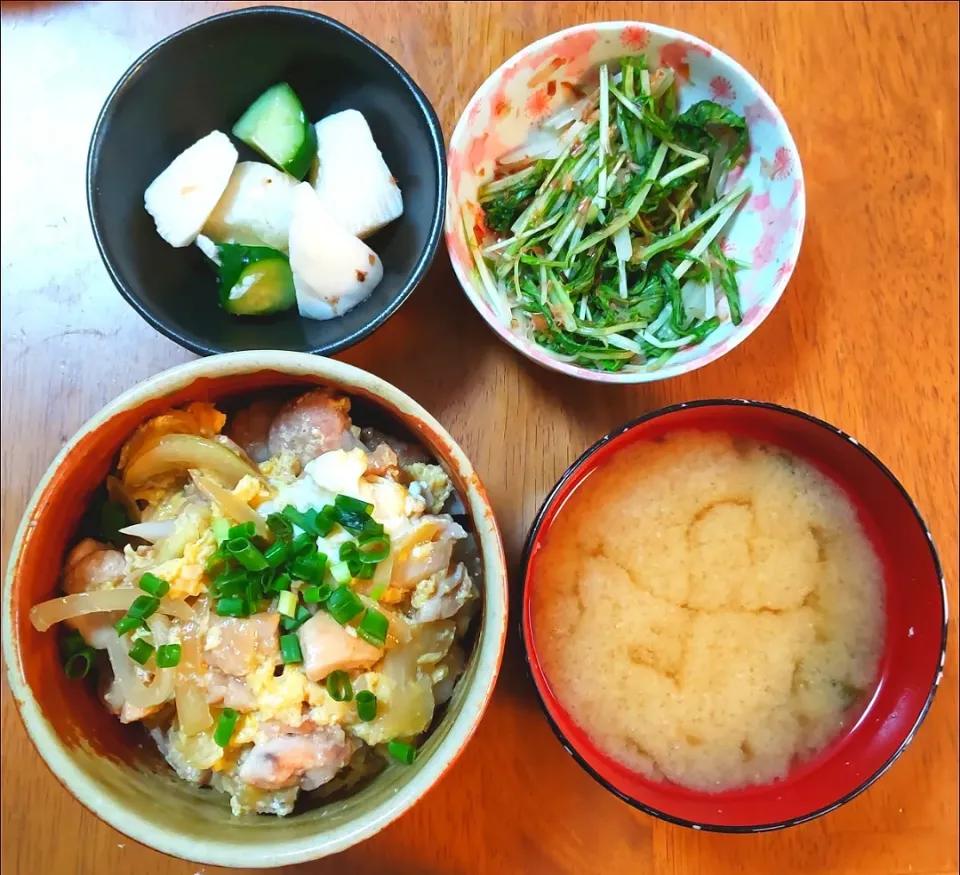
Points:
point(550, 74)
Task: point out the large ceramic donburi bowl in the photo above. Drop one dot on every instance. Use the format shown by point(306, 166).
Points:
point(114, 769)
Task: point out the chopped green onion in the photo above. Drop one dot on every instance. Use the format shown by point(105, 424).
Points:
point(242, 530)
point(78, 664)
point(246, 554)
point(290, 649)
point(215, 562)
point(340, 572)
point(154, 585)
point(348, 550)
point(365, 572)
point(72, 643)
point(373, 627)
point(126, 623)
point(143, 606)
point(401, 751)
point(339, 686)
point(354, 505)
point(168, 655)
point(291, 624)
point(231, 583)
point(287, 604)
point(373, 549)
point(315, 595)
point(303, 542)
point(309, 567)
point(280, 526)
point(303, 520)
point(281, 582)
point(354, 566)
point(325, 520)
point(378, 591)
point(232, 607)
point(276, 554)
point(221, 529)
point(344, 604)
point(141, 651)
point(350, 520)
point(366, 706)
point(225, 726)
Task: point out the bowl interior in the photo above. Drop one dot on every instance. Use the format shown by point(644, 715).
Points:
point(914, 635)
point(202, 79)
point(539, 81)
point(115, 769)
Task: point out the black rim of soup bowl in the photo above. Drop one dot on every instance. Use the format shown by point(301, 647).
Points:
point(558, 732)
point(438, 154)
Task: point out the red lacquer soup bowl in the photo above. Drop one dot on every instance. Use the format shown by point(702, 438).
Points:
point(914, 644)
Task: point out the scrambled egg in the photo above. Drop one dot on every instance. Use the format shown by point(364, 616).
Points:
point(279, 698)
point(432, 481)
point(252, 490)
point(199, 418)
point(284, 468)
point(186, 574)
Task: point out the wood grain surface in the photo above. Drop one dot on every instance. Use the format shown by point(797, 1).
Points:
point(866, 337)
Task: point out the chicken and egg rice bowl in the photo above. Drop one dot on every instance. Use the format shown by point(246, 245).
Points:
point(280, 598)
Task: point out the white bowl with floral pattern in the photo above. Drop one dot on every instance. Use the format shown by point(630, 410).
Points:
point(538, 82)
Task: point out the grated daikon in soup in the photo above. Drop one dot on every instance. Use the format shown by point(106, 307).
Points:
point(708, 609)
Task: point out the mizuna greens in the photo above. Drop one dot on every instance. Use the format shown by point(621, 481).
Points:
point(607, 252)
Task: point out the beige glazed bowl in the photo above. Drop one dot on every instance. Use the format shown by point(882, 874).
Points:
point(113, 769)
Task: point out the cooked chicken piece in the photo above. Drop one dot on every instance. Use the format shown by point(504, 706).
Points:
point(438, 598)
point(250, 428)
point(236, 646)
point(294, 756)
point(407, 453)
point(328, 646)
point(382, 462)
point(230, 692)
point(89, 567)
point(310, 425)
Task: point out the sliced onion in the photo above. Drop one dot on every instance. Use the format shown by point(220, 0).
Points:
point(193, 712)
point(230, 506)
point(152, 531)
point(135, 692)
point(179, 452)
point(44, 615)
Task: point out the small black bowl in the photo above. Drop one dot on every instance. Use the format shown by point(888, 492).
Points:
point(201, 79)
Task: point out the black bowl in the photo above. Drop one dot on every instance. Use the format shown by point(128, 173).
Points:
point(201, 79)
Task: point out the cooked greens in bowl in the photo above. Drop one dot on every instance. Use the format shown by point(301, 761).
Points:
point(625, 202)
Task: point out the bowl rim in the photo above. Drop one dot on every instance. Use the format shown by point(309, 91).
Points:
point(488, 652)
point(529, 655)
point(437, 151)
point(529, 349)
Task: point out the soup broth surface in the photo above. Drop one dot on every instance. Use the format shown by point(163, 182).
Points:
point(708, 609)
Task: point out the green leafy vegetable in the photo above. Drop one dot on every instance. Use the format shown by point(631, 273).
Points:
point(596, 245)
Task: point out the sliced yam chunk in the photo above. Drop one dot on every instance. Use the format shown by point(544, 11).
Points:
point(236, 646)
point(184, 195)
point(327, 646)
point(333, 271)
point(255, 209)
point(351, 178)
point(310, 425)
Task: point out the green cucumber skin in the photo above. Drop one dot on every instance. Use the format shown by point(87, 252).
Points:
point(236, 260)
point(280, 295)
point(250, 123)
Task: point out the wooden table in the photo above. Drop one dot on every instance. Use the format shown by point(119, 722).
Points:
point(865, 337)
